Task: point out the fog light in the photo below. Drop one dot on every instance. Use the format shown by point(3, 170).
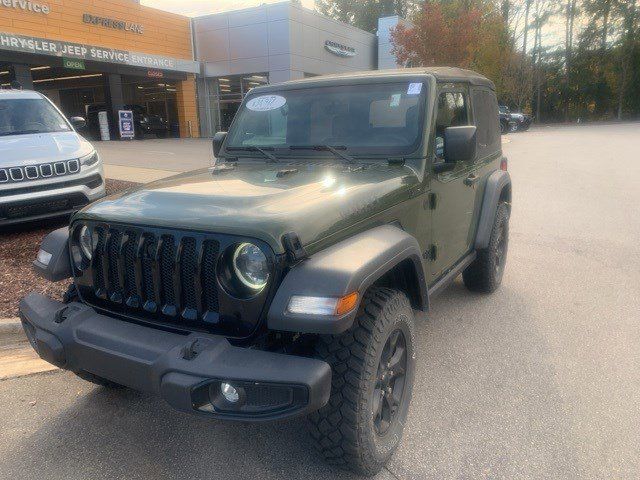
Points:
point(229, 392)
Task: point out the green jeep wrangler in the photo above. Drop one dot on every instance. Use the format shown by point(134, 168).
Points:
point(285, 279)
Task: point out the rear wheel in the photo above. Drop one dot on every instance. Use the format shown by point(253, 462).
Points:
point(373, 367)
point(486, 272)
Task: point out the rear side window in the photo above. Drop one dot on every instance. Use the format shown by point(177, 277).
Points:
point(487, 121)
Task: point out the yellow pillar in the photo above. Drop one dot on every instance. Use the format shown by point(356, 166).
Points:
point(188, 108)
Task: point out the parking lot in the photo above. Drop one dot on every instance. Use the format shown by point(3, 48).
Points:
point(539, 380)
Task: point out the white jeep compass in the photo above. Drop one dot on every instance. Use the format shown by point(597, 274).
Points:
point(46, 168)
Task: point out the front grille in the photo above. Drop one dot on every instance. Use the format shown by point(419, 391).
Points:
point(170, 278)
point(36, 172)
point(148, 272)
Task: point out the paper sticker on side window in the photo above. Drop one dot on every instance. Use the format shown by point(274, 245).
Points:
point(414, 89)
point(265, 103)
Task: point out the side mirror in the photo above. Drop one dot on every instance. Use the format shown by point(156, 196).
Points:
point(218, 140)
point(78, 122)
point(460, 144)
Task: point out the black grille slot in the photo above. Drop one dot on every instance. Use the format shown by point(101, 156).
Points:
point(98, 254)
point(209, 284)
point(167, 260)
point(113, 249)
point(129, 256)
point(188, 269)
point(46, 170)
point(31, 172)
point(148, 255)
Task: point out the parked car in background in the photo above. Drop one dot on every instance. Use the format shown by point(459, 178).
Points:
point(144, 124)
point(518, 122)
point(506, 122)
point(46, 168)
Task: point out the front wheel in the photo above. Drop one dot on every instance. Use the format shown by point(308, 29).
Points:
point(373, 366)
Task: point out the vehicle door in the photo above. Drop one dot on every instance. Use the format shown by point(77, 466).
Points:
point(453, 192)
point(489, 145)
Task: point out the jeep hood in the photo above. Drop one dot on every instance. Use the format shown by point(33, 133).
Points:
point(262, 201)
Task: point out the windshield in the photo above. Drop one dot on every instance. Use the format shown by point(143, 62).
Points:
point(20, 116)
point(363, 119)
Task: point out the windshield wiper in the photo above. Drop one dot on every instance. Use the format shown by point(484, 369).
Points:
point(327, 148)
point(253, 148)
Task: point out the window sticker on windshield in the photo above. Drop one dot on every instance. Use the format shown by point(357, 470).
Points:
point(395, 100)
point(414, 89)
point(265, 103)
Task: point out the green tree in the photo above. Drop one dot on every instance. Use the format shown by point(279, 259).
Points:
point(364, 14)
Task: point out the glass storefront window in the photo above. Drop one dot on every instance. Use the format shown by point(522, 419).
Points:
point(154, 104)
point(225, 95)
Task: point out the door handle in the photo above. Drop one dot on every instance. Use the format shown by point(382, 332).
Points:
point(471, 180)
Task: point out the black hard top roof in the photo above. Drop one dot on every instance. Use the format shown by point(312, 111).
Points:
point(441, 74)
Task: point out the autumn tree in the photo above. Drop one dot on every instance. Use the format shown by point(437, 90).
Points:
point(438, 38)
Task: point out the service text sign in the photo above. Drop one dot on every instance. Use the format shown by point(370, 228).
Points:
point(56, 48)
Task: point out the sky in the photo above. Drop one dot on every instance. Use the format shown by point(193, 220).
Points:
point(203, 7)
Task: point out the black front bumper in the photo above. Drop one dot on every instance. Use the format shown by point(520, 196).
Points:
point(182, 368)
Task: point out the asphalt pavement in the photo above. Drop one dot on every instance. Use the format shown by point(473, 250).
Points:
point(539, 380)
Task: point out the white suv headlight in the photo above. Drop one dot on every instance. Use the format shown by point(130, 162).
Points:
point(90, 159)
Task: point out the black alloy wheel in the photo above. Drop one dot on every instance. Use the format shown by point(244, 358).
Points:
point(389, 389)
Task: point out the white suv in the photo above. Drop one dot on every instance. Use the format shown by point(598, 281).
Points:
point(46, 168)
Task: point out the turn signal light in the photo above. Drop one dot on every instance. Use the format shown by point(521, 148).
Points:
point(504, 165)
point(323, 305)
point(347, 303)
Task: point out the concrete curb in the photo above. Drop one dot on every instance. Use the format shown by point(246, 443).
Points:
point(11, 332)
point(10, 326)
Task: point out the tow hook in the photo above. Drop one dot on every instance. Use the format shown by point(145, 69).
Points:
point(66, 312)
point(194, 348)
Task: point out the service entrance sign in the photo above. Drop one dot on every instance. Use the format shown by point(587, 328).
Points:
point(125, 122)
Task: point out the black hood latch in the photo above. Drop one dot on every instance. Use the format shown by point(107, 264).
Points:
point(293, 247)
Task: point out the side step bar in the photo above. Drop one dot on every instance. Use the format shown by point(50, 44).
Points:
point(451, 275)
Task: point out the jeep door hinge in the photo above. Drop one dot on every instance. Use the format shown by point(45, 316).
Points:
point(432, 253)
point(433, 201)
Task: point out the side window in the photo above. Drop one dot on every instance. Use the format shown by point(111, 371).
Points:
point(487, 121)
point(453, 111)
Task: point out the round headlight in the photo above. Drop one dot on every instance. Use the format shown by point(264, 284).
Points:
point(86, 243)
point(251, 266)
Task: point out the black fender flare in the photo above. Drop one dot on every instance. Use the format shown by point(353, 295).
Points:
point(497, 182)
point(352, 265)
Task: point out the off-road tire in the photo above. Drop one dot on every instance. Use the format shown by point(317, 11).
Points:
point(486, 272)
point(344, 430)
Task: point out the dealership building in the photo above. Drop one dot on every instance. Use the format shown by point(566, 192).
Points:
point(192, 73)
